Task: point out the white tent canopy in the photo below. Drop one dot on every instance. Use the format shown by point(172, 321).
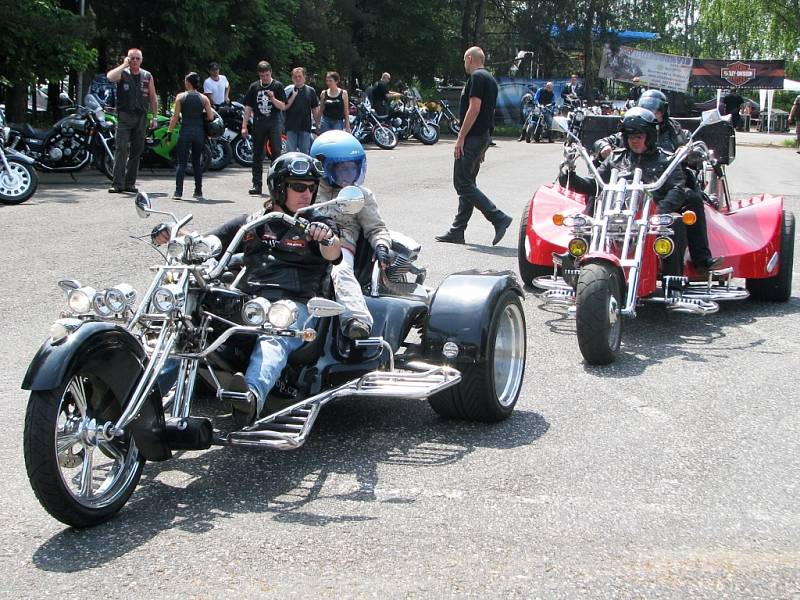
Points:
point(791, 85)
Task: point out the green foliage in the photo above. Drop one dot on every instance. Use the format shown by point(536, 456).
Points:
point(40, 40)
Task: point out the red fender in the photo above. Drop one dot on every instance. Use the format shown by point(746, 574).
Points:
point(543, 236)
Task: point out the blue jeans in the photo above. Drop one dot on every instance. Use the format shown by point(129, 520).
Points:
point(326, 124)
point(269, 358)
point(195, 140)
point(298, 141)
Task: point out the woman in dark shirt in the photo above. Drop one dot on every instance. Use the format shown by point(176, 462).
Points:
point(192, 108)
point(335, 105)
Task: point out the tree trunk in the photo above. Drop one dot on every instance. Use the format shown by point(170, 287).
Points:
point(466, 25)
point(588, 46)
point(480, 24)
point(17, 103)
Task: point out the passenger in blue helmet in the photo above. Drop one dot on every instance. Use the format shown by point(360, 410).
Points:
point(345, 163)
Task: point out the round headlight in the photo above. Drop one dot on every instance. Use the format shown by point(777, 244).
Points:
point(283, 313)
point(100, 305)
point(206, 247)
point(80, 300)
point(117, 298)
point(254, 312)
point(176, 249)
point(577, 247)
point(663, 246)
point(167, 298)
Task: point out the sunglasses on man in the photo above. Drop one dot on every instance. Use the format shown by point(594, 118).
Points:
point(302, 187)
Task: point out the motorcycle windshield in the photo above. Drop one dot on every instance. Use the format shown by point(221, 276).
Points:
point(92, 103)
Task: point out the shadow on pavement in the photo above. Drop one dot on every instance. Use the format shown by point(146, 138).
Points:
point(352, 438)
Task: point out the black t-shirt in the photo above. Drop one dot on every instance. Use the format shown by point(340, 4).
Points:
point(257, 99)
point(280, 261)
point(298, 115)
point(378, 96)
point(480, 85)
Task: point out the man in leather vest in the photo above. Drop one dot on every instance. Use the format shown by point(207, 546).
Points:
point(136, 91)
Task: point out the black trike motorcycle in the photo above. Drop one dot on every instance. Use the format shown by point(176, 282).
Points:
point(99, 407)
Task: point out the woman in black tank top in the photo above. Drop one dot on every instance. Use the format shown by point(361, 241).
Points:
point(192, 108)
point(335, 105)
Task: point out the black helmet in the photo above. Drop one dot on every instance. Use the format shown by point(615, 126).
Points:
point(654, 100)
point(216, 126)
point(639, 120)
point(292, 165)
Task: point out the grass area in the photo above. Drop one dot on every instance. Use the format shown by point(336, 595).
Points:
point(789, 143)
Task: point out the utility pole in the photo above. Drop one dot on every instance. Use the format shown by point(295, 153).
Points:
point(79, 91)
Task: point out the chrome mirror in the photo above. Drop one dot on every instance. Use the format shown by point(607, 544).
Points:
point(142, 205)
point(350, 200)
point(322, 307)
point(69, 284)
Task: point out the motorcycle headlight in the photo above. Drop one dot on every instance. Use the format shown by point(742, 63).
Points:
point(117, 298)
point(100, 305)
point(81, 300)
point(206, 247)
point(283, 313)
point(254, 312)
point(577, 116)
point(168, 297)
point(176, 249)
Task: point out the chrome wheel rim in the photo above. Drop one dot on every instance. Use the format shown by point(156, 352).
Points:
point(614, 321)
point(383, 135)
point(15, 181)
point(96, 472)
point(509, 355)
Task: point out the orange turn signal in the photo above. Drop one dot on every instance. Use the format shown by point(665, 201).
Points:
point(689, 217)
point(558, 219)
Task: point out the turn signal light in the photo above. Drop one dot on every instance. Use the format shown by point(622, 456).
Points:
point(577, 247)
point(558, 219)
point(689, 217)
point(663, 246)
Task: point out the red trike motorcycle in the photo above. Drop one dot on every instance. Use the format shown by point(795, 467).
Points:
point(604, 265)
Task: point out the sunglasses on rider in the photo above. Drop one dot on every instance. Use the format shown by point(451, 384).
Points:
point(300, 187)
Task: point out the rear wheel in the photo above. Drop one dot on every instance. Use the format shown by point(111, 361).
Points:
point(18, 183)
point(489, 388)
point(221, 154)
point(384, 137)
point(80, 477)
point(778, 288)
point(598, 304)
point(527, 271)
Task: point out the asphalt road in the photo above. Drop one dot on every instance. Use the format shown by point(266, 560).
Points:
point(672, 473)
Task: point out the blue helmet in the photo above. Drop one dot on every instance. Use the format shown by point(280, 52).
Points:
point(334, 147)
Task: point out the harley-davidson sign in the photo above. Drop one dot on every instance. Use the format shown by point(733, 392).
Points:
point(737, 73)
point(758, 74)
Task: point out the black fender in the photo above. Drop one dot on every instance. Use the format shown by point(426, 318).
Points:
point(116, 357)
point(461, 311)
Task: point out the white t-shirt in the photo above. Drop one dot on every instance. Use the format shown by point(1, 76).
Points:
point(216, 88)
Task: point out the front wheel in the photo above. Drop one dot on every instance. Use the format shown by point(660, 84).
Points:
point(598, 314)
point(221, 154)
point(80, 477)
point(778, 288)
point(454, 126)
point(243, 151)
point(489, 388)
point(104, 161)
point(384, 137)
point(205, 161)
point(428, 133)
point(18, 183)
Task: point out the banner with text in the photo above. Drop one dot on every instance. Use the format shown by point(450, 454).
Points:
point(749, 74)
point(665, 71)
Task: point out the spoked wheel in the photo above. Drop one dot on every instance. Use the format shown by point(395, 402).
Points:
point(527, 270)
point(598, 313)
point(384, 137)
point(105, 162)
point(18, 183)
point(80, 475)
point(489, 388)
point(243, 151)
point(428, 133)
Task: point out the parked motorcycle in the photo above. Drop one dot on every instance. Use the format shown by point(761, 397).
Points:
point(72, 143)
point(18, 177)
point(453, 123)
point(366, 125)
point(97, 410)
point(407, 119)
point(535, 122)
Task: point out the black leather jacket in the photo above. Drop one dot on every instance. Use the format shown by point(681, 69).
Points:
point(280, 261)
point(671, 136)
point(669, 197)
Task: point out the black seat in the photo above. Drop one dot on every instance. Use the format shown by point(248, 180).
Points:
point(31, 132)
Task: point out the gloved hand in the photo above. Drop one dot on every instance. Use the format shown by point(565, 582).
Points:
point(160, 234)
point(382, 255)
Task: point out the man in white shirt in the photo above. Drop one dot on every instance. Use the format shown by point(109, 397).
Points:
point(216, 87)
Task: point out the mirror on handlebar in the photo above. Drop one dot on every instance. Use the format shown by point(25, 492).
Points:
point(350, 200)
point(143, 205)
point(710, 117)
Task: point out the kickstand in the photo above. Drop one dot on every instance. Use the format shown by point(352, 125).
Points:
point(72, 174)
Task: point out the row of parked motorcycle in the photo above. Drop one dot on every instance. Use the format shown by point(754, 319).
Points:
point(84, 137)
